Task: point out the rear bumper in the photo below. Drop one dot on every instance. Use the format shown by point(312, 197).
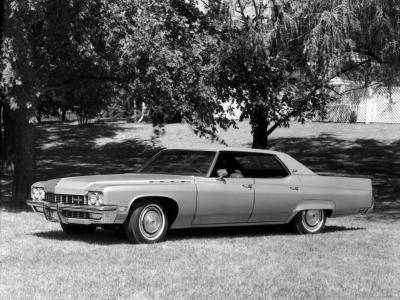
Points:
point(369, 209)
point(80, 214)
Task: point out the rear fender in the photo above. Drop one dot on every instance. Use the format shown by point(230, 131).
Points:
point(312, 204)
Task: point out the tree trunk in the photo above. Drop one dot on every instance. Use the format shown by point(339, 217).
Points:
point(1, 133)
point(39, 115)
point(8, 142)
point(24, 159)
point(63, 114)
point(260, 128)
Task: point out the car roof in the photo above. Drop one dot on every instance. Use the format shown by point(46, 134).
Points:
point(228, 149)
point(291, 164)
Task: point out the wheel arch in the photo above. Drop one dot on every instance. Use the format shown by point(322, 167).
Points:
point(171, 205)
point(327, 205)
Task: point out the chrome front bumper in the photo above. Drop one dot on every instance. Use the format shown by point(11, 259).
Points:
point(80, 214)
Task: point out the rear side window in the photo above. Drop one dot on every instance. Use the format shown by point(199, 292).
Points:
point(261, 166)
point(256, 165)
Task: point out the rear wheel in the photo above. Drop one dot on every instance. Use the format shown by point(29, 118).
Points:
point(309, 221)
point(148, 223)
point(77, 228)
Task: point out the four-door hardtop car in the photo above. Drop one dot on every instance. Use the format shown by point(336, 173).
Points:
point(181, 188)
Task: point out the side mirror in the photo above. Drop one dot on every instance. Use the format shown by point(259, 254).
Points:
point(222, 173)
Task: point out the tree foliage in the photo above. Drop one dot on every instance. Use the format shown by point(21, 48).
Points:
point(359, 38)
point(264, 70)
point(279, 56)
point(271, 58)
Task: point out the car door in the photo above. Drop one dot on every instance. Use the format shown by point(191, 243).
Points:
point(227, 200)
point(277, 192)
point(275, 198)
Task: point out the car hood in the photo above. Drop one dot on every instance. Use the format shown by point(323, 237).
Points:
point(81, 184)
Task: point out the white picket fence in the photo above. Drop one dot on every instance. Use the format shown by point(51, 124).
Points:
point(380, 105)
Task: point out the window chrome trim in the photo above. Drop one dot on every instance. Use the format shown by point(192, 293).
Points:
point(214, 162)
point(148, 161)
point(288, 173)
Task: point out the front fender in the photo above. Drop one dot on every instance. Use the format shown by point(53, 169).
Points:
point(184, 201)
point(311, 204)
point(150, 195)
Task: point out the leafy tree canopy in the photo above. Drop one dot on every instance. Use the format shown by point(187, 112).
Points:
point(279, 56)
point(271, 58)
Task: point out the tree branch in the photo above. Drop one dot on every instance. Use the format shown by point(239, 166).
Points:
point(358, 88)
point(242, 12)
point(277, 124)
point(255, 9)
point(344, 70)
point(332, 89)
point(371, 55)
point(69, 82)
point(291, 114)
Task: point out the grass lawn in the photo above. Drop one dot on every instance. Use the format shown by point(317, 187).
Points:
point(357, 258)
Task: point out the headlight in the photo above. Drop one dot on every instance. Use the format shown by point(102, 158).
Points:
point(37, 193)
point(95, 198)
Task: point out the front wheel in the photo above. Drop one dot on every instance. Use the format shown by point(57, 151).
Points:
point(77, 228)
point(147, 224)
point(309, 221)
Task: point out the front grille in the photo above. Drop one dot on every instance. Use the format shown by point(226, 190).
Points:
point(75, 214)
point(65, 199)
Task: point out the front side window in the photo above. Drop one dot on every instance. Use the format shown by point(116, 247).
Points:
point(180, 162)
point(255, 165)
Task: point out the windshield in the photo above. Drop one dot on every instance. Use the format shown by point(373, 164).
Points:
point(180, 162)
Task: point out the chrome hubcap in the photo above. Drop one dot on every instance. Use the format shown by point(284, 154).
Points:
point(151, 221)
point(313, 217)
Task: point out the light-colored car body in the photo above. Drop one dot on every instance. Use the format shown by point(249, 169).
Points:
point(198, 201)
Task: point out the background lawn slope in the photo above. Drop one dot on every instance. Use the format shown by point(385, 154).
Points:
point(357, 257)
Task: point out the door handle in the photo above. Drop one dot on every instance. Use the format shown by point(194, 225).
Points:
point(294, 188)
point(247, 186)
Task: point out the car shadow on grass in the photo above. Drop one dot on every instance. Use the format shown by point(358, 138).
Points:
point(237, 232)
point(108, 237)
point(99, 237)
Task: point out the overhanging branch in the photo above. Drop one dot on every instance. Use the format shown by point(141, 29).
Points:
point(352, 67)
point(280, 122)
point(358, 88)
point(370, 54)
point(291, 114)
